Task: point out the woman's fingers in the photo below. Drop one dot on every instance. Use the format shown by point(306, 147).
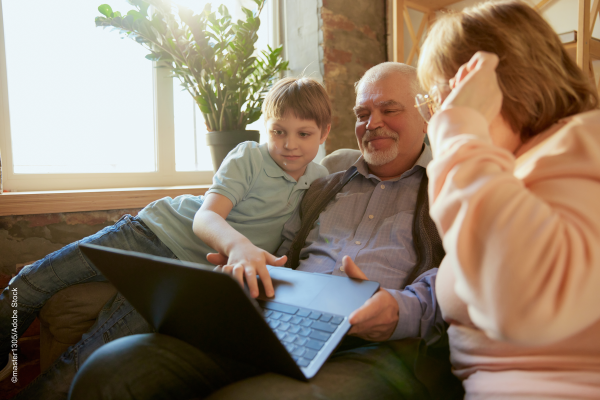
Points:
point(483, 59)
point(452, 83)
point(476, 86)
point(460, 74)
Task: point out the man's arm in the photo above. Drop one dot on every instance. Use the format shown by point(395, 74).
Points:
point(398, 314)
point(420, 312)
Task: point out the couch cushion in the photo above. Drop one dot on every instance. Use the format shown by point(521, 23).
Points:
point(68, 315)
point(75, 308)
point(340, 160)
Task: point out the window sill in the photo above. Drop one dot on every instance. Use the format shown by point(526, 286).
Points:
point(27, 203)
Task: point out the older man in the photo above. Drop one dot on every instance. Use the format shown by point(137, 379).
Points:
point(368, 222)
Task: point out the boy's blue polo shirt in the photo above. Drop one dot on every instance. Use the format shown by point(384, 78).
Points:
point(263, 195)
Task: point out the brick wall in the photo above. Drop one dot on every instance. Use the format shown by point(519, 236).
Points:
point(25, 238)
point(354, 40)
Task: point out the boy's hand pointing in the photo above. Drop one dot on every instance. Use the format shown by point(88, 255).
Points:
point(245, 262)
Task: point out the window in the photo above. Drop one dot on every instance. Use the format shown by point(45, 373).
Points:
point(81, 108)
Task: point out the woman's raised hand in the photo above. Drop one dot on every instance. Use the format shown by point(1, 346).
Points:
point(476, 85)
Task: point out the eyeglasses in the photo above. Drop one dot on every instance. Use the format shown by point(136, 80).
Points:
point(428, 104)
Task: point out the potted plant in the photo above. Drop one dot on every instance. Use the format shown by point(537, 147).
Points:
point(212, 56)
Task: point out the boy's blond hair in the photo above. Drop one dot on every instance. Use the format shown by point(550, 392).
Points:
point(304, 97)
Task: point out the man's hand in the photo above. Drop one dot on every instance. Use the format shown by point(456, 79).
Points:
point(376, 320)
point(246, 261)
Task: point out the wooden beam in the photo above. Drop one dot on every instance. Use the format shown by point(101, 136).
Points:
point(594, 15)
point(541, 4)
point(417, 6)
point(398, 31)
point(594, 49)
point(583, 37)
point(417, 46)
point(411, 30)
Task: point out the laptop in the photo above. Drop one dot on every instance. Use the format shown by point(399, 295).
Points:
point(292, 333)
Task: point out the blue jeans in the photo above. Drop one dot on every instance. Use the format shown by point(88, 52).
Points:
point(36, 283)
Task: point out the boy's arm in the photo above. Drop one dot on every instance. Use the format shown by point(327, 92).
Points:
point(245, 259)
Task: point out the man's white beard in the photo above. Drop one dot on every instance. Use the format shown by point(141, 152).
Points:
point(378, 158)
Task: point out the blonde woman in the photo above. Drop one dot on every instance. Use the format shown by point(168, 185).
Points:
point(515, 193)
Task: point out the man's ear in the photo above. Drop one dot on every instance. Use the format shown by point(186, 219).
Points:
point(325, 133)
point(425, 137)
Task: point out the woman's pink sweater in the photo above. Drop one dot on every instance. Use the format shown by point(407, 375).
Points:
point(520, 284)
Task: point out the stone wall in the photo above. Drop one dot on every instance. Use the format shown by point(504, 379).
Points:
point(26, 238)
point(354, 40)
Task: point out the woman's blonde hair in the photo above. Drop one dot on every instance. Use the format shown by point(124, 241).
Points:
point(539, 81)
point(304, 97)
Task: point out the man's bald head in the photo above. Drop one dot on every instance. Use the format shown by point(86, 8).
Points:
point(389, 129)
point(387, 69)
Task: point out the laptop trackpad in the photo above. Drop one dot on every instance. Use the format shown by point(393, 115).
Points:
point(295, 287)
point(316, 291)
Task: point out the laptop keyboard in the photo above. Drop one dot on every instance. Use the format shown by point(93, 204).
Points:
point(303, 332)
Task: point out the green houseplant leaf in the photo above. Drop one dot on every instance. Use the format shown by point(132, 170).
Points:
point(212, 55)
point(106, 10)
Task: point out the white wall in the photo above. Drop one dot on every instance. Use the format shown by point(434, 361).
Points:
point(301, 38)
point(416, 17)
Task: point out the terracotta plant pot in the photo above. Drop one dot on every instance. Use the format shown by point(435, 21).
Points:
point(221, 143)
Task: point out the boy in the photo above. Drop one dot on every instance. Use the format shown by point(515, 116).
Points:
point(259, 187)
point(256, 190)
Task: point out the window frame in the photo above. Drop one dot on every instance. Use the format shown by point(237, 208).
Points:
point(164, 136)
